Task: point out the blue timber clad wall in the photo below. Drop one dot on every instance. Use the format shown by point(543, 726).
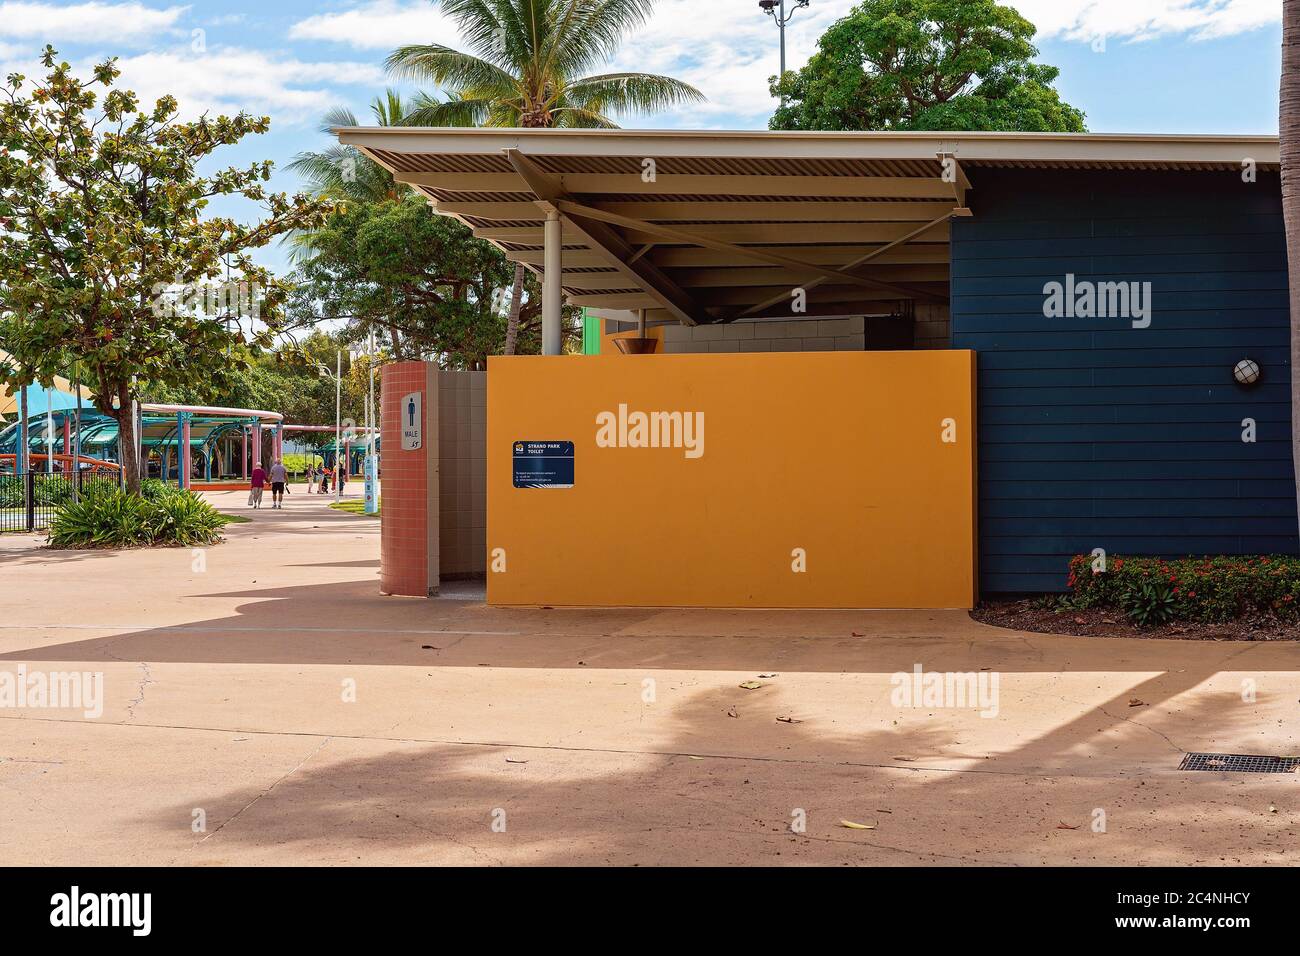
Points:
point(1094, 434)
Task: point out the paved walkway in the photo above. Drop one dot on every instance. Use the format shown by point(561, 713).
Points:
point(596, 736)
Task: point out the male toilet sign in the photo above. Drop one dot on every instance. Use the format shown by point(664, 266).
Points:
point(412, 422)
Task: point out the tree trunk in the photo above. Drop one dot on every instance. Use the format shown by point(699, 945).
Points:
point(126, 440)
point(1289, 131)
point(516, 298)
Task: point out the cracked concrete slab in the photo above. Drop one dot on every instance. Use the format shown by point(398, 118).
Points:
point(313, 721)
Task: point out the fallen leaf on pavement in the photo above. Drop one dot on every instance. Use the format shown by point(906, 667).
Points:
point(1134, 702)
point(857, 826)
point(731, 711)
point(750, 685)
point(513, 760)
point(1065, 826)
point(790, 720)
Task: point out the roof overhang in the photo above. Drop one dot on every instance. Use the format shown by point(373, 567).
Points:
point(705, 226)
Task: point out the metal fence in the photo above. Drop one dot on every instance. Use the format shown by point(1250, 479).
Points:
point(28, 500)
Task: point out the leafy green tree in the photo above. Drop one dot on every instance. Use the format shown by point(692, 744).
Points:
point(925, 65)
point(102, 214)
point(421, 280)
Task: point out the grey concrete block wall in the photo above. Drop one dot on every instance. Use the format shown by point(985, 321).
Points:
point(933, 326)
point(795, 335)
point(462, 473)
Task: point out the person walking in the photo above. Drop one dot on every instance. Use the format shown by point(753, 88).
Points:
point(342, 476)
point(324, 480)
point(279, 475)
point(311, 478)
point(258, 480)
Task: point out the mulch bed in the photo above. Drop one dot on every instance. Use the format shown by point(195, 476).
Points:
point(1029, 615)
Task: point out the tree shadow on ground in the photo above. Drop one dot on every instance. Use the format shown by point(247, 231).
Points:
point(417, 802)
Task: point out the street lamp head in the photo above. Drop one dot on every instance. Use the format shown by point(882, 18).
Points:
point(768, 6)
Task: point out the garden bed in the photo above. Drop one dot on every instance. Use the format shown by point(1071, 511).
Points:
point(1035, 614)
point(1246, 598)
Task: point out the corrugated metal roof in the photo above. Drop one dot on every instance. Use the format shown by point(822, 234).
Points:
point(675, 232)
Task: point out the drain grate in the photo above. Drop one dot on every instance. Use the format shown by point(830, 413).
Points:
point(1240, 763)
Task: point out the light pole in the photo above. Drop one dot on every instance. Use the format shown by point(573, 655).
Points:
point(372, 426)
point(338, 412)
point(776, 10)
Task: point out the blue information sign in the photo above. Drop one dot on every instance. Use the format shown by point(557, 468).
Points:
point(543, 464)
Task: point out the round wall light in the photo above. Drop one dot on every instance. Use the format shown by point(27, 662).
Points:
point(1247, 372)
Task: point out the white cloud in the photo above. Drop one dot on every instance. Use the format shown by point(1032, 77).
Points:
point(92, 22)
point(379, 25)
point(227, 80)
point(1084, 20)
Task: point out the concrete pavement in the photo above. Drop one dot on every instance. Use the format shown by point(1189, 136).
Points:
point(263, 689)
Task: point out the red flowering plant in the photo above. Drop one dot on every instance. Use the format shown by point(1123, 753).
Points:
point(1209, 590)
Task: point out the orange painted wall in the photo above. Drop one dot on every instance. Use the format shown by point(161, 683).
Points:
point(837, 453)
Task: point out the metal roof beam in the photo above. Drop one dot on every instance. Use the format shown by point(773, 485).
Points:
point(694, 238)
point(600, 238)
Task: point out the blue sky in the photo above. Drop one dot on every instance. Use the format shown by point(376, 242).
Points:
point(1169, 66)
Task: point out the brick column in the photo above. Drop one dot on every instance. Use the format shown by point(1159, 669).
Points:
point(409, 484)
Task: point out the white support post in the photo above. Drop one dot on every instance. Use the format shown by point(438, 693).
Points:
point(552, 278)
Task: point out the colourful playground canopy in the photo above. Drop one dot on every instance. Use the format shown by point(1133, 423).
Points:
point(62, 396)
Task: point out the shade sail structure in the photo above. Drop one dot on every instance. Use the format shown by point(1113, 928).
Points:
point(61, 396)
point(700, 227)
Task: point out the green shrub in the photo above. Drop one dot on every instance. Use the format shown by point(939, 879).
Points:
point(184, 519)
point(52, 492)
point(11, 491)
point(111, 518)
point(1153, 591)
point(155, 488)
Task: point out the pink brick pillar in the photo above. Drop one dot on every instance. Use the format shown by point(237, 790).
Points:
point(408, 536)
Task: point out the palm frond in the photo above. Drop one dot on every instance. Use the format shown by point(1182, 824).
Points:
point(448, 68)
point(338, 116)
point(631, 92)
point(576, 117)
point(596, 33)
point(429, 111)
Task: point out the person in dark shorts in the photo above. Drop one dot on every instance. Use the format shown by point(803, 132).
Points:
point(279, 475)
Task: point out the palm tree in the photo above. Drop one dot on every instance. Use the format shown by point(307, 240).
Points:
point(527, 69)
point(342, 172)
point(1289, 133)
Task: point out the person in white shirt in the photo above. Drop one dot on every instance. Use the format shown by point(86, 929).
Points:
point(279, 475)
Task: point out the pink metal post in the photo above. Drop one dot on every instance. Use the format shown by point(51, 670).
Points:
point(243, 453)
